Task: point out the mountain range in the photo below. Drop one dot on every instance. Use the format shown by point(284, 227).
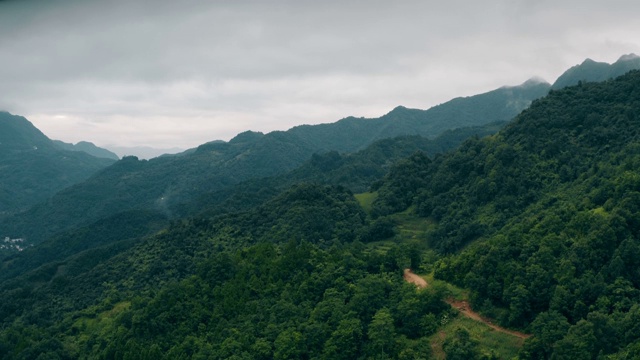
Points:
point(166, 183)
point(257, 248)
point(89, 148)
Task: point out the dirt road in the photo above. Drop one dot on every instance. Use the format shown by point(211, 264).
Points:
point(463, 306)
point(465, 309)
point(415, 279)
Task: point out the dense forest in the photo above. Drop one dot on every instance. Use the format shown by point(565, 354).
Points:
point(216, 178)
point(540, 221)
point(287, 280)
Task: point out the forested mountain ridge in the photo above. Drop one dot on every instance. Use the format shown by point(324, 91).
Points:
point(352, 134)
point(216, 166)
point(540, 221)
point(356, 171)
point(33, 168)
point(89, 148)
point(593, 71)
point(165, 183)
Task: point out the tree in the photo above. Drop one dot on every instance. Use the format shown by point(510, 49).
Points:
point(382, 334)
point(578, 344)
point(461, 347)
point(344, 342)
point(288, 345)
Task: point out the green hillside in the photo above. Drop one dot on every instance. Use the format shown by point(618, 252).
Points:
point(183, 185)
point(540, 221)
point(282, 281)
point(353, 134)
point(33, 168)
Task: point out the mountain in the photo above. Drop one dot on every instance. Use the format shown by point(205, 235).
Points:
point(166, 183)
point(34, 167)
point(87, 147)
point(590, 71)
point(356, 171)
point(351, 134)
point(217, 176)
point(540, 221)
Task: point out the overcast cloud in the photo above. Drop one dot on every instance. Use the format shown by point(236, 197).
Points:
point(180, 73)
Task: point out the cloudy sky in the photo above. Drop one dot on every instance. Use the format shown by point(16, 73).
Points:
point(179, 73)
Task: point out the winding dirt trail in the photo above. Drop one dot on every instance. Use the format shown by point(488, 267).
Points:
point(463, 306)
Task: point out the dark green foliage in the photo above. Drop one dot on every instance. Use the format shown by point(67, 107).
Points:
point(208, 180)
point(546, 214)
point(461, 347)
point(279, 281)
point(357, 171)
point(127, 225)
point(176, 185)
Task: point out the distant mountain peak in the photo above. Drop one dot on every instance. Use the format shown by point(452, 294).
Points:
point(398, 110)
point(628, 57)
point(536, 80)
point(247, 136)
point(589, 61)
point(590, 71)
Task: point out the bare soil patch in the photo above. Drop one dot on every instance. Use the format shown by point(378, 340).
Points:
point(465, 309)
point(415, 279)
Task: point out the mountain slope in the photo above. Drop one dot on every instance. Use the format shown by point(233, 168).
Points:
point(540, 221)
point(33, 167)
point(352, 134)
point(590, 71)
point(281, 281)
point(166, 182)
point(356, 171)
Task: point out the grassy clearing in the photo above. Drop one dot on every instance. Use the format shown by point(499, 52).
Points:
point(451, 290)
point(489, 340)
point(92, 323)
point(366, 200)
point(411, 226)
